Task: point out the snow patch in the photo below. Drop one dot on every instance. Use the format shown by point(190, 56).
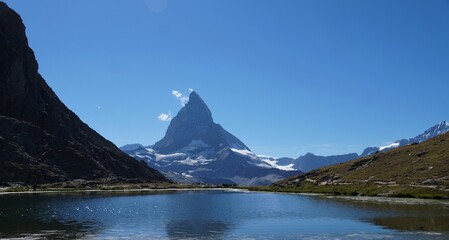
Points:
point(263, 165)
point(150, 150)
point(274, 164)
point(187, 175)
point(263, 161)
point(265, 156)
point(173, 156)
point(245, 152)
point(194, 161)
point(393, 145)
point(143, 156)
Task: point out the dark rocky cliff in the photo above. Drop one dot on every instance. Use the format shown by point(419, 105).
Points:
point(41, 140)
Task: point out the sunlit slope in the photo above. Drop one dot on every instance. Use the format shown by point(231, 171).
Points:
point(417, 170)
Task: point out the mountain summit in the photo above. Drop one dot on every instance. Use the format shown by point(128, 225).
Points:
point(196, 149)
point(193, 125)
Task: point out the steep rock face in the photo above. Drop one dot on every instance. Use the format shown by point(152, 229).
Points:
point(41, 139)
point(194, 122)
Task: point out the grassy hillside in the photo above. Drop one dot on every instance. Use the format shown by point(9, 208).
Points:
point(417, 170)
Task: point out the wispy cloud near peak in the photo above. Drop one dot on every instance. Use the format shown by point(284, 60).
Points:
point(165, 117)
point(181, 97)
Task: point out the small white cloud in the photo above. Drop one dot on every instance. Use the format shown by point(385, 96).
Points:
point(176, 93)
point(182, 99)
point(165, 117)
point(98, 106)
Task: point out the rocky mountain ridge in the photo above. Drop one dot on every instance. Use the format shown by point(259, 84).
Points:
point(41, 139)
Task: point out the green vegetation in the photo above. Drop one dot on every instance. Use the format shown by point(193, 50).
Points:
point(79, 186)
point(359, 190)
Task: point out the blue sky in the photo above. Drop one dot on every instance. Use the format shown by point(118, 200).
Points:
point(286, 77)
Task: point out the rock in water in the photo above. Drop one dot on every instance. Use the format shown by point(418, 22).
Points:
point(41, 140)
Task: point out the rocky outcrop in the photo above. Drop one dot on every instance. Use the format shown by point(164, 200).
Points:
point(41, 140)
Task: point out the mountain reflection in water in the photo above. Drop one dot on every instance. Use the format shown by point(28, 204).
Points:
point(401, 214)
point(218, 215)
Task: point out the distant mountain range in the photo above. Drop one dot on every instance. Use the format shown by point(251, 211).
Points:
point(415, 170)
point(41, 140)
point(441, 128)
point(195, 149)
point(311, 161)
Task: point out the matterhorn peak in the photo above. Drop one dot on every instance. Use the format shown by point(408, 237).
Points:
point(194, 124)
point(195, 111)
point(194, 96)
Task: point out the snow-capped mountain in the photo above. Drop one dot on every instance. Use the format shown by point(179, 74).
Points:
point(432, 132)
point(196, 149)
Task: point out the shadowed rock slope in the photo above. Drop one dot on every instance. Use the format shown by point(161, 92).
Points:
point(41, 140)
point(417, 170)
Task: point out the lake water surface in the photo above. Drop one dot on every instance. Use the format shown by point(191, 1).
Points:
point(218, 215)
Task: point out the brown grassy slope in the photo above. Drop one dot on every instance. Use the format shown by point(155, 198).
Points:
point(418, 170)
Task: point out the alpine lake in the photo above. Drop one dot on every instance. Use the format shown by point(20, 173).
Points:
point(218, 214)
